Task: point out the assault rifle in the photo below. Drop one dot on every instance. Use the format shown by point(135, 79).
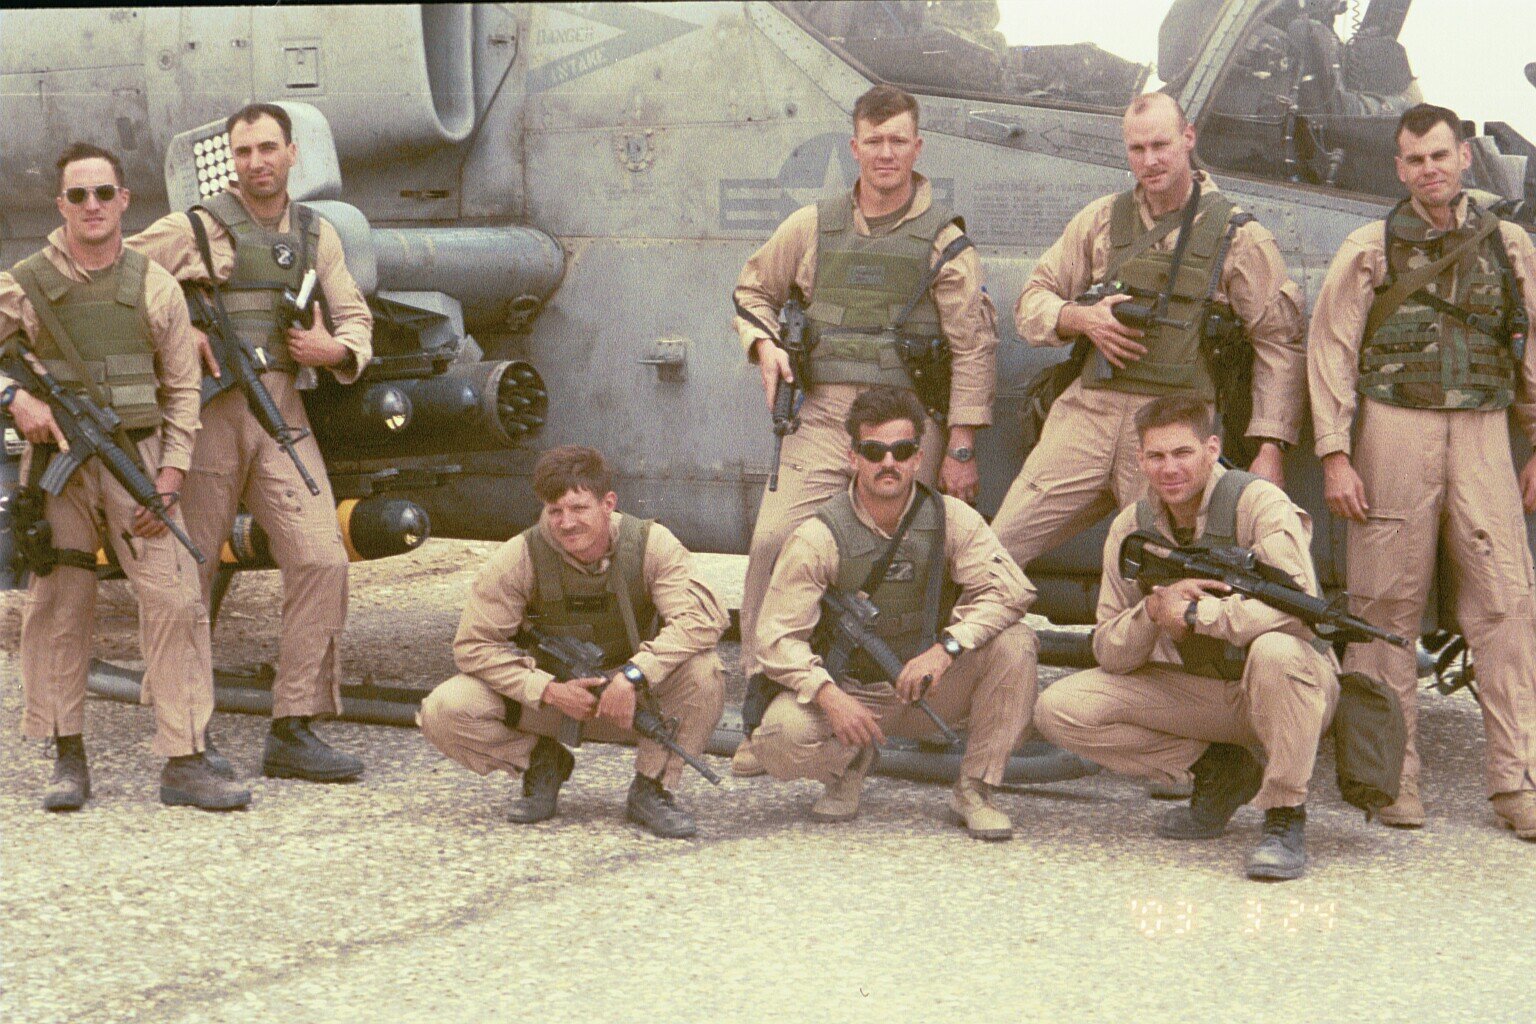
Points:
point(89, 429)
point(568, 657)
point(853, 628)
point(1242, 570)
point(787, 395)
point(299, 308)
point(241, 369)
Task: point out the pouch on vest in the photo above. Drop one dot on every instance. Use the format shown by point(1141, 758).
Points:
point(1369, 739)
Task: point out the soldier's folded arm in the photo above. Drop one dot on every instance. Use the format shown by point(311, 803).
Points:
point(1333, 340)
point(694, 617)
point(178, 368)
point(1522, 258)
point(766, 280)
point(806, 567)
point(494, 612)
point(1268, 302)
point(350, 315)
point(994, 592)
point(1063, 272)
point(970, 323)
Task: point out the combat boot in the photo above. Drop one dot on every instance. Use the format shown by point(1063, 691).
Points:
point(549, 766)
point(190, 782)
point(293, 751)
point(217, 762)
point(1518, 812)
point(70, 786)
point(1407, 811)
point(1226, 777)
point(656, 810)
point(745, 763)
point(971, 801)
point(841, 800)
point(1282, 850)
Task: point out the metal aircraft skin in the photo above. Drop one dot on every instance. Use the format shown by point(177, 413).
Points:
point(577, 185)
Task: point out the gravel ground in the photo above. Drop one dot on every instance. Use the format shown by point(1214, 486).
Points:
point(406, 897)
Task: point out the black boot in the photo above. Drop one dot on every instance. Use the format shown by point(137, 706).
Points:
point(70, 786)
point(190, 782)
point(549, 766)
point(217, 762)
point(294, 752)
point(1282, 852)
point(656, 810)
point(1226, 777)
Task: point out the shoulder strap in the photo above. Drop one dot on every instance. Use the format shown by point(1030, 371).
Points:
point(627, 571)
point(933, 590)
point(546, 568)
point(1124, 219)
point(834, 214)
point(200, 235)
point(1221, 515)
point(1388, 301)
point(877, 571)
point(130, 278)
point(1219, 262)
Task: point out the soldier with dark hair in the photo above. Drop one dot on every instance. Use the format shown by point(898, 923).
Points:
point(1417, 355)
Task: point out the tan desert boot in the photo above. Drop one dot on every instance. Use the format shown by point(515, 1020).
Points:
point(972, 803)
point(841, 800)
point(1518, 812)
point(1407, 811)
point(744, 763)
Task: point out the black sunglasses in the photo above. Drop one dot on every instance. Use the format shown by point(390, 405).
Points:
point(874, 451)
point(104, 193)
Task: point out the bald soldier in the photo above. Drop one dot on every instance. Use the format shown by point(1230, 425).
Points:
point(258, 244)
point(857, 260)
point(1085, 464)
point(1192, 681)
point(1417, 354)
point(112, 328)
point(588, 571)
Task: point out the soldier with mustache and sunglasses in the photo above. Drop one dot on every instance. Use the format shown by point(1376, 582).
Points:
point(950, 603)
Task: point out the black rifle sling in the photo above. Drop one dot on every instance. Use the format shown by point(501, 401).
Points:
point(1220, 262)
point(933, 591)
point(883, 563)
point(1160, 230)
point(200, 233)
point(1186, 229)
point(755, 320)
point(948, 253)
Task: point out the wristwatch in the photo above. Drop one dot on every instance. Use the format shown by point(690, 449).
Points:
point(961, 454)
point(629, 670)
point(8, 396)
point(1190, 613)
point(951, 645)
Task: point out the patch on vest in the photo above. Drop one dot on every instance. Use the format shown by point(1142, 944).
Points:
point(900, 572)
point(283, 254)
point(866, 275)
point(594, 603)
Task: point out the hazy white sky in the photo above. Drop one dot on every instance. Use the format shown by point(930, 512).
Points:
point(1468, 54)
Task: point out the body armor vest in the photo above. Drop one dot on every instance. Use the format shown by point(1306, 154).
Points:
point(1423, 359)
point(106, 321)
point(255, 287)
point(1174, 363)
point(611, 609)
point(862, 284)
point(905, 622)
point(1208, 655)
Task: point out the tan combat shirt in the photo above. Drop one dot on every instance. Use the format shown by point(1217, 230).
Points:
point(694, 617)
point(965, 312)
point(1338, 321)
point(1253, 282)
point(169, 242)
point(1268, 524)
point(994, 592)
point(176, 361)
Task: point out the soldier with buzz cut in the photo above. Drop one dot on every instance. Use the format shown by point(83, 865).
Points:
point(1417, 356)
point(587, 571)
point(879, 268)
point(112, 328)
point(250, 243)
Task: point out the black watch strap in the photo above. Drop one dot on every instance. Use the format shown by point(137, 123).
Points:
point(8, 396)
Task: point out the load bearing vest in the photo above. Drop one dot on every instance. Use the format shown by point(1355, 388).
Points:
point(592, 606)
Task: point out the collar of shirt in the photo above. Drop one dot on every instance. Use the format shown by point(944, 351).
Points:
point(922, 199)
point(282, 221)
point(864, 517)
point(1207, 186)
point(57, 252)
point(596, 568)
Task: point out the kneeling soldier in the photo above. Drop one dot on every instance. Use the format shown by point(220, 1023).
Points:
point(588, 571)
point(913, 554)
point(1191, 682)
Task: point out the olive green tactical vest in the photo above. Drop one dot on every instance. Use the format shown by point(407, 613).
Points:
point(901, 596)
point(1422, 359)
point(591, 606)
point(255, 285)
point(862, 284)
point(106, 320)
point(1174, 363)
point(1208, 655)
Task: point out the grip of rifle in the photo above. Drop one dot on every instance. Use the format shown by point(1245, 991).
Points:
point(570, 732)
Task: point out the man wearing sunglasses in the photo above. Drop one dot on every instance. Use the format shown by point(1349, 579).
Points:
point(950, 602)
point(857, 260)
point(259, 244)
point(112, 327)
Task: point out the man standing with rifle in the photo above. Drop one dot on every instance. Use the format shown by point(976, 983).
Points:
point(1192, 679)
point(249, 246)
point(1418, 352)
point(949, 602)
point(584, 572)
point(890, 291)
point(109, 330)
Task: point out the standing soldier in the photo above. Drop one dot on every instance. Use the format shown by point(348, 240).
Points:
point(112, 328)
point(1420, 326)
point(858, 260)
point(252, 245)
point(949, 602)
point(583, 570)
point(1174, 226)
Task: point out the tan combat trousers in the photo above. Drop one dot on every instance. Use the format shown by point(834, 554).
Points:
point(60, 613)
point(235, 463)
point(1157, 721)
point(990, 691)
point(466, 720)
point(1445, 479)
point(1083, 469)
point(812, 469)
